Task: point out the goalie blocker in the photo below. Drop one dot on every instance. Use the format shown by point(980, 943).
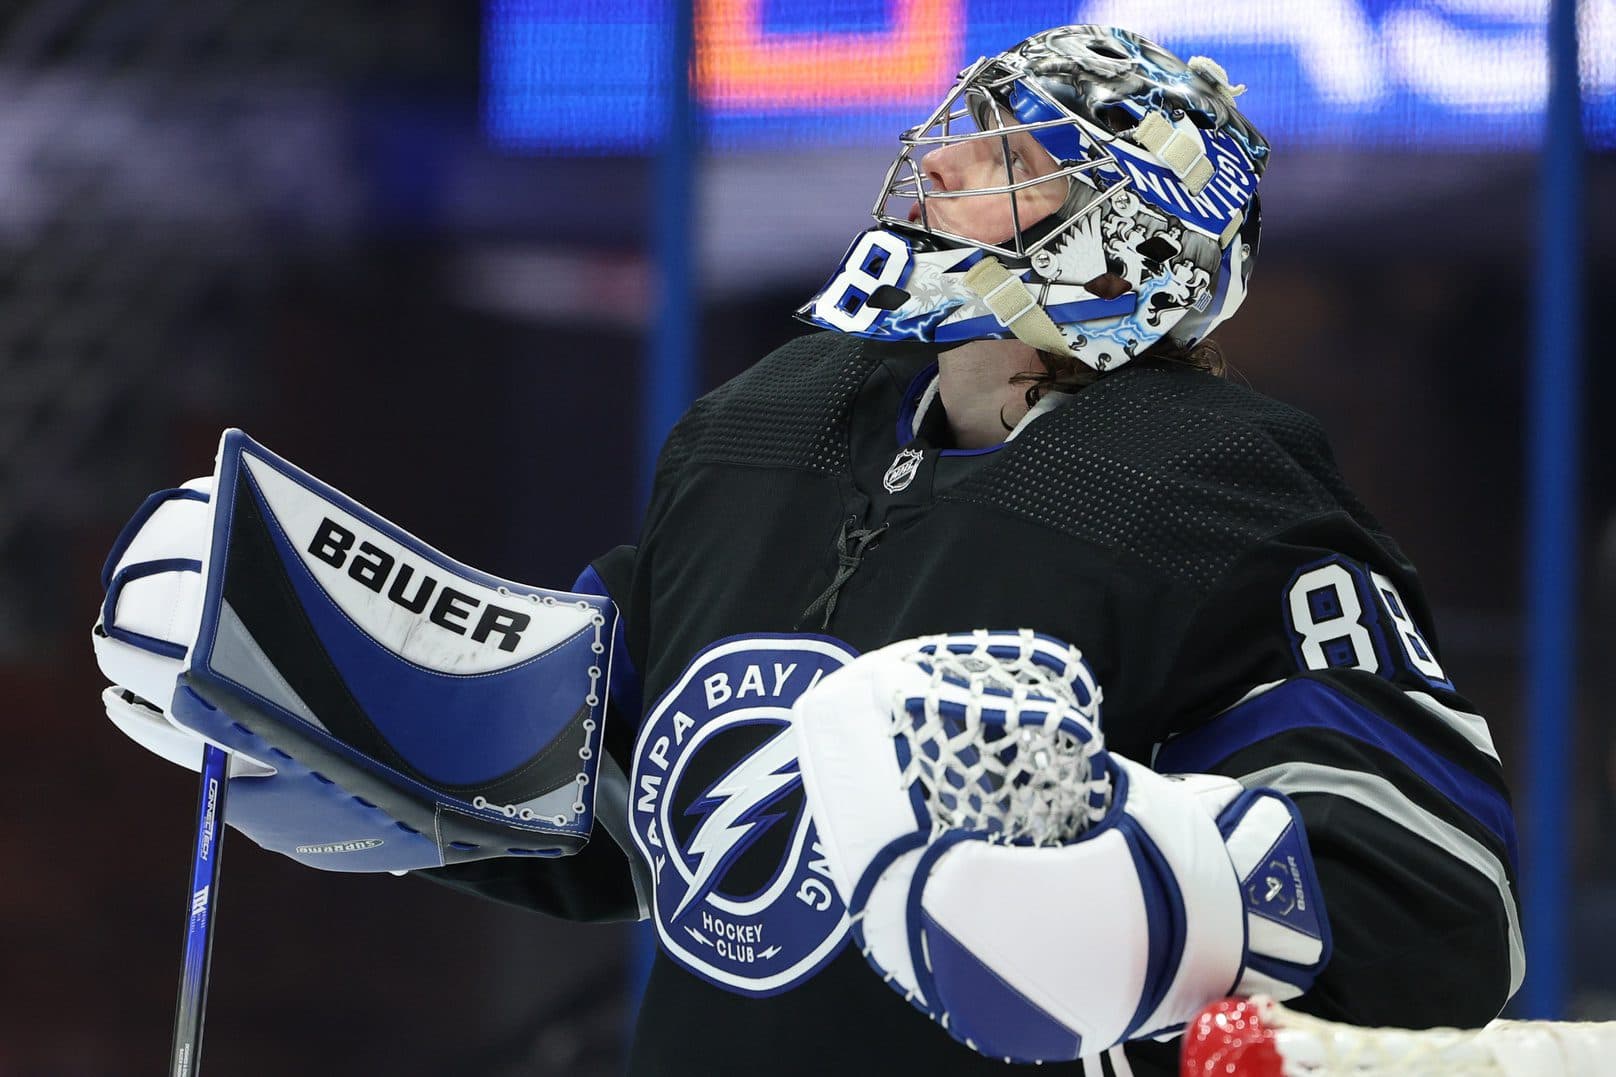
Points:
point(386, 707)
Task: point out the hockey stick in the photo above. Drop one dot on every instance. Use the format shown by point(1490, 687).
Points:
point(186, 1058)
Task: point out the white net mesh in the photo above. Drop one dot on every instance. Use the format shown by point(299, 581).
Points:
point(1006, 739)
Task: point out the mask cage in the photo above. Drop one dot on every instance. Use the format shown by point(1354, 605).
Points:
point(976, 109)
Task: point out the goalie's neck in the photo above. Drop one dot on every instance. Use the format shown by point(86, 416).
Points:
point(973, 384)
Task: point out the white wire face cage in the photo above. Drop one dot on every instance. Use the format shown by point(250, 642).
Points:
point(978, 109)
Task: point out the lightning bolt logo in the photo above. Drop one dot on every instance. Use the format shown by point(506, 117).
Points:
point(734, 806)
point(749, 905)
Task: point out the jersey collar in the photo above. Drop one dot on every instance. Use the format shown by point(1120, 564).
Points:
point(921, 412)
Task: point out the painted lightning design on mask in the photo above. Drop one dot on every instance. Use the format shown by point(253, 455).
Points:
point(734, 805)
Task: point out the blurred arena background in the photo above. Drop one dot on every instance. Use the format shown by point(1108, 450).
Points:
point(412, 246)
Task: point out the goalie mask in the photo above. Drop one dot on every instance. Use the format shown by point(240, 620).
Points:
point(1150, 169)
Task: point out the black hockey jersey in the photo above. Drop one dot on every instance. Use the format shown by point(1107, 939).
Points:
point(1243, 613)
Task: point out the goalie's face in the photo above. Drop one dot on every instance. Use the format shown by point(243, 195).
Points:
point(966, 181)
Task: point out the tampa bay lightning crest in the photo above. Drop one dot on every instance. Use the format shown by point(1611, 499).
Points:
point(742, 891)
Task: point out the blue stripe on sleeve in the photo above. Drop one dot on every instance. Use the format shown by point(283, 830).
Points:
point(1306, 703)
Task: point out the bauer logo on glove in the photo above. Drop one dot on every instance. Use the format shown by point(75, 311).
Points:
point(451, 610)
point(386, 707)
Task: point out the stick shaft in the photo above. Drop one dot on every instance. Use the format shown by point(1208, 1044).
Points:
point(203, 897)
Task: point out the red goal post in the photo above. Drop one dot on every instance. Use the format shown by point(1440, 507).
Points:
point(1257, 1037)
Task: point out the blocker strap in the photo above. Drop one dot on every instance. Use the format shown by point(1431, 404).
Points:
point(1013, 303)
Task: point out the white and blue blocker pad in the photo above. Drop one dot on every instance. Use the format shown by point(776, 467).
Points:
point(414, 711)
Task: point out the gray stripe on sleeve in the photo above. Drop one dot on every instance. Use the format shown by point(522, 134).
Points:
point(1472, 727)
point(1383, 798)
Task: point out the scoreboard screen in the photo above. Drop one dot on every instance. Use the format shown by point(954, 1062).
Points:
point(590, 76)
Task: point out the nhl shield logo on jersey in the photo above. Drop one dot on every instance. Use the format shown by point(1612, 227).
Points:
point(742, 890)
point(902, 470)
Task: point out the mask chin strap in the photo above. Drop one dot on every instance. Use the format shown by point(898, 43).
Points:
point(1013, 303)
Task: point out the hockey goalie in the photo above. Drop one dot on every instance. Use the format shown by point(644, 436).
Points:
point(992, 680)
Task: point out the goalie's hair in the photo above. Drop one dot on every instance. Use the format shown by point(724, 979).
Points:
point(1063, 374)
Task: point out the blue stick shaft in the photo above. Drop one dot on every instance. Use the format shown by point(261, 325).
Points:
point(204, 895)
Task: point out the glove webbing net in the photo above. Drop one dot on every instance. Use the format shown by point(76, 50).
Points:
point(1001, 743)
